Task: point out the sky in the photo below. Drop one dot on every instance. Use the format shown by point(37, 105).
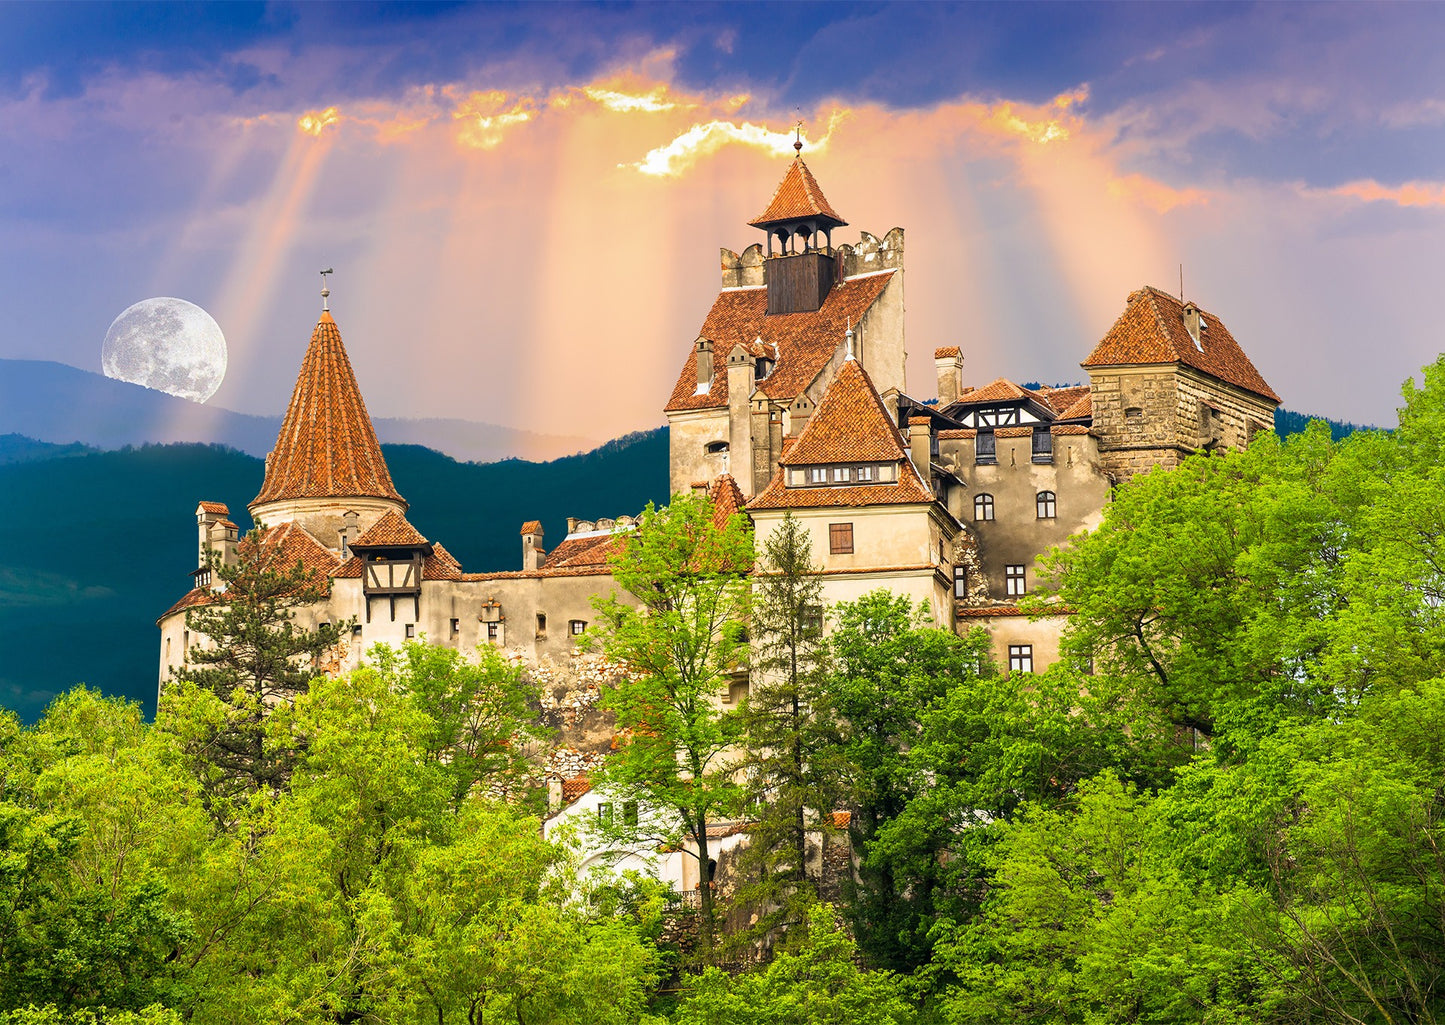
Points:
point(524, 204)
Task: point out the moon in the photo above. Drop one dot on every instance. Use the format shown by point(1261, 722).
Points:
point(169, 345)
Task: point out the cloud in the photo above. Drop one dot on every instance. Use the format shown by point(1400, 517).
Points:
point(313, 122)
point(703, 140)
point(1409, 194)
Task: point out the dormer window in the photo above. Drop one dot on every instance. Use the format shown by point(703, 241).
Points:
point(818, 475)
point(842, 474)
point(762, 368)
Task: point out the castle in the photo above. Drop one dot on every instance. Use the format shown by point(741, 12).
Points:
point(791, 399)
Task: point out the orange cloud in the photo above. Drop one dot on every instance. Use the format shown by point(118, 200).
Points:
point(1156, 195)
point(313, 122)
point(486, 117)
point(705, 139)
point(1409, 194)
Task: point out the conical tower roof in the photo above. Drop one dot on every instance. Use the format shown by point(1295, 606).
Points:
point(798, 199)
point(327, 447)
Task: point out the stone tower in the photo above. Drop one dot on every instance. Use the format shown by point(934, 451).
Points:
point(1168, 379)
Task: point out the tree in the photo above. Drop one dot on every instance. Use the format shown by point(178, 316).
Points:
point(482, 716)
point(817, 983)
point(791, 765)
point(890, 670)
point(257, 657)
point(681, 645)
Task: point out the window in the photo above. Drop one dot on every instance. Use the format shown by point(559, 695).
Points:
point(1020, 658)
point(541, 624)
point(1134, 413)
point(983, 448)
point(1014, 577)
point(818, 475)
point(604, 814)
point(494, 631)
point(456, 626)
point(840, 538)
point(577, 626)
point(841, 474)
point(410, 631)
point(983, 507)
point(865, 473)
point(1046, 505)
point(629, 814)
point(713, 448)
point(960, 582)
point(1043, 445)
point(813, 620)
point(356, 630)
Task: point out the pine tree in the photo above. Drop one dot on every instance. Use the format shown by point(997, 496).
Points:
point(257, 657)
point(793, 785)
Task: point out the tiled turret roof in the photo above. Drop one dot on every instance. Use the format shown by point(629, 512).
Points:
point(391, 531)
point(1151, 330)
point(851, 425)
point(798, 199)
point(327, 447)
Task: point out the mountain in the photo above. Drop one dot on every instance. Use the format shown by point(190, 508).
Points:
point(97, 545)
point(53, 402)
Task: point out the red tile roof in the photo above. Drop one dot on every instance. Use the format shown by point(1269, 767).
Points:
point(1151, 330)
point(798, 199)
point(727, 499)
point(1068, 429)
point(1060, 399)
point(1082, 407)
point(391, 531)
point(957, 433)
point(215, 507)
point(327, 447)
point(1015, 432)
point(805, 341)
point(532, 527)
point(575, 788)
point(297, 545)
point(195, 596)
point(851, 424)
point(1001, 390)
point(584, 551)
point(440, 565)
point(908, 489)
point(942, 353)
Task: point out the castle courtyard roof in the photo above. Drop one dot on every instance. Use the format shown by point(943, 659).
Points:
point(1152, 330)
point(327, 447)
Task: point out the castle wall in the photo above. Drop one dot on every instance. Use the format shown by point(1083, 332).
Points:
point(689, 434)
point(1016, 535)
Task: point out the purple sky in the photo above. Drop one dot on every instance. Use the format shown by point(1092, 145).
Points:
point(524, 204)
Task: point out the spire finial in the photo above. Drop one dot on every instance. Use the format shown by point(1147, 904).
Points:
point(849, 338)
point(798, 138)
point(325, 292)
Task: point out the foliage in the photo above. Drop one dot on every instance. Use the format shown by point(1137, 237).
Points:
point(794, 777)
point(819, 982)
point(483, 716)
point(682, 644)
point(255, 657)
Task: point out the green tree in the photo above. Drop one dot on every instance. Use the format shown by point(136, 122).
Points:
point(818, 982)
point(257, 656)
point(483, 716)
point(681, 643)
point(793, 774)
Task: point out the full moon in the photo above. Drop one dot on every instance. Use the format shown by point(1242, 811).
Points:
point(169, 345)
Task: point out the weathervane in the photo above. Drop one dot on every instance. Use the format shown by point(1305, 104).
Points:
point(798, 137)
point(325, 292)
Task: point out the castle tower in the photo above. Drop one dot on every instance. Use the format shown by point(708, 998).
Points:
point(1168, 379)
point(327, 461)
point(774, 338)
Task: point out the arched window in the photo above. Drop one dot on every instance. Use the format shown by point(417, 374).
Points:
point(714, 447)
point(983, 507)
point(1047, 505)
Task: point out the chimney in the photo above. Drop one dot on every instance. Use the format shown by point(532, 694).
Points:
point(704, 365)
point(1194, 324)
point(207, 513)
point(949, 363)
point(741, 378)
point(532, 551)
point(350, 531)
point(920, 447)
point(223, 538)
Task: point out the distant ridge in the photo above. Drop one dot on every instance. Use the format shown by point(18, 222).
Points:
point(61, 404)
point(1287, 422)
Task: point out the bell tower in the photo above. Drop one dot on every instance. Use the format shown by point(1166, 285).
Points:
point(800, 220)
